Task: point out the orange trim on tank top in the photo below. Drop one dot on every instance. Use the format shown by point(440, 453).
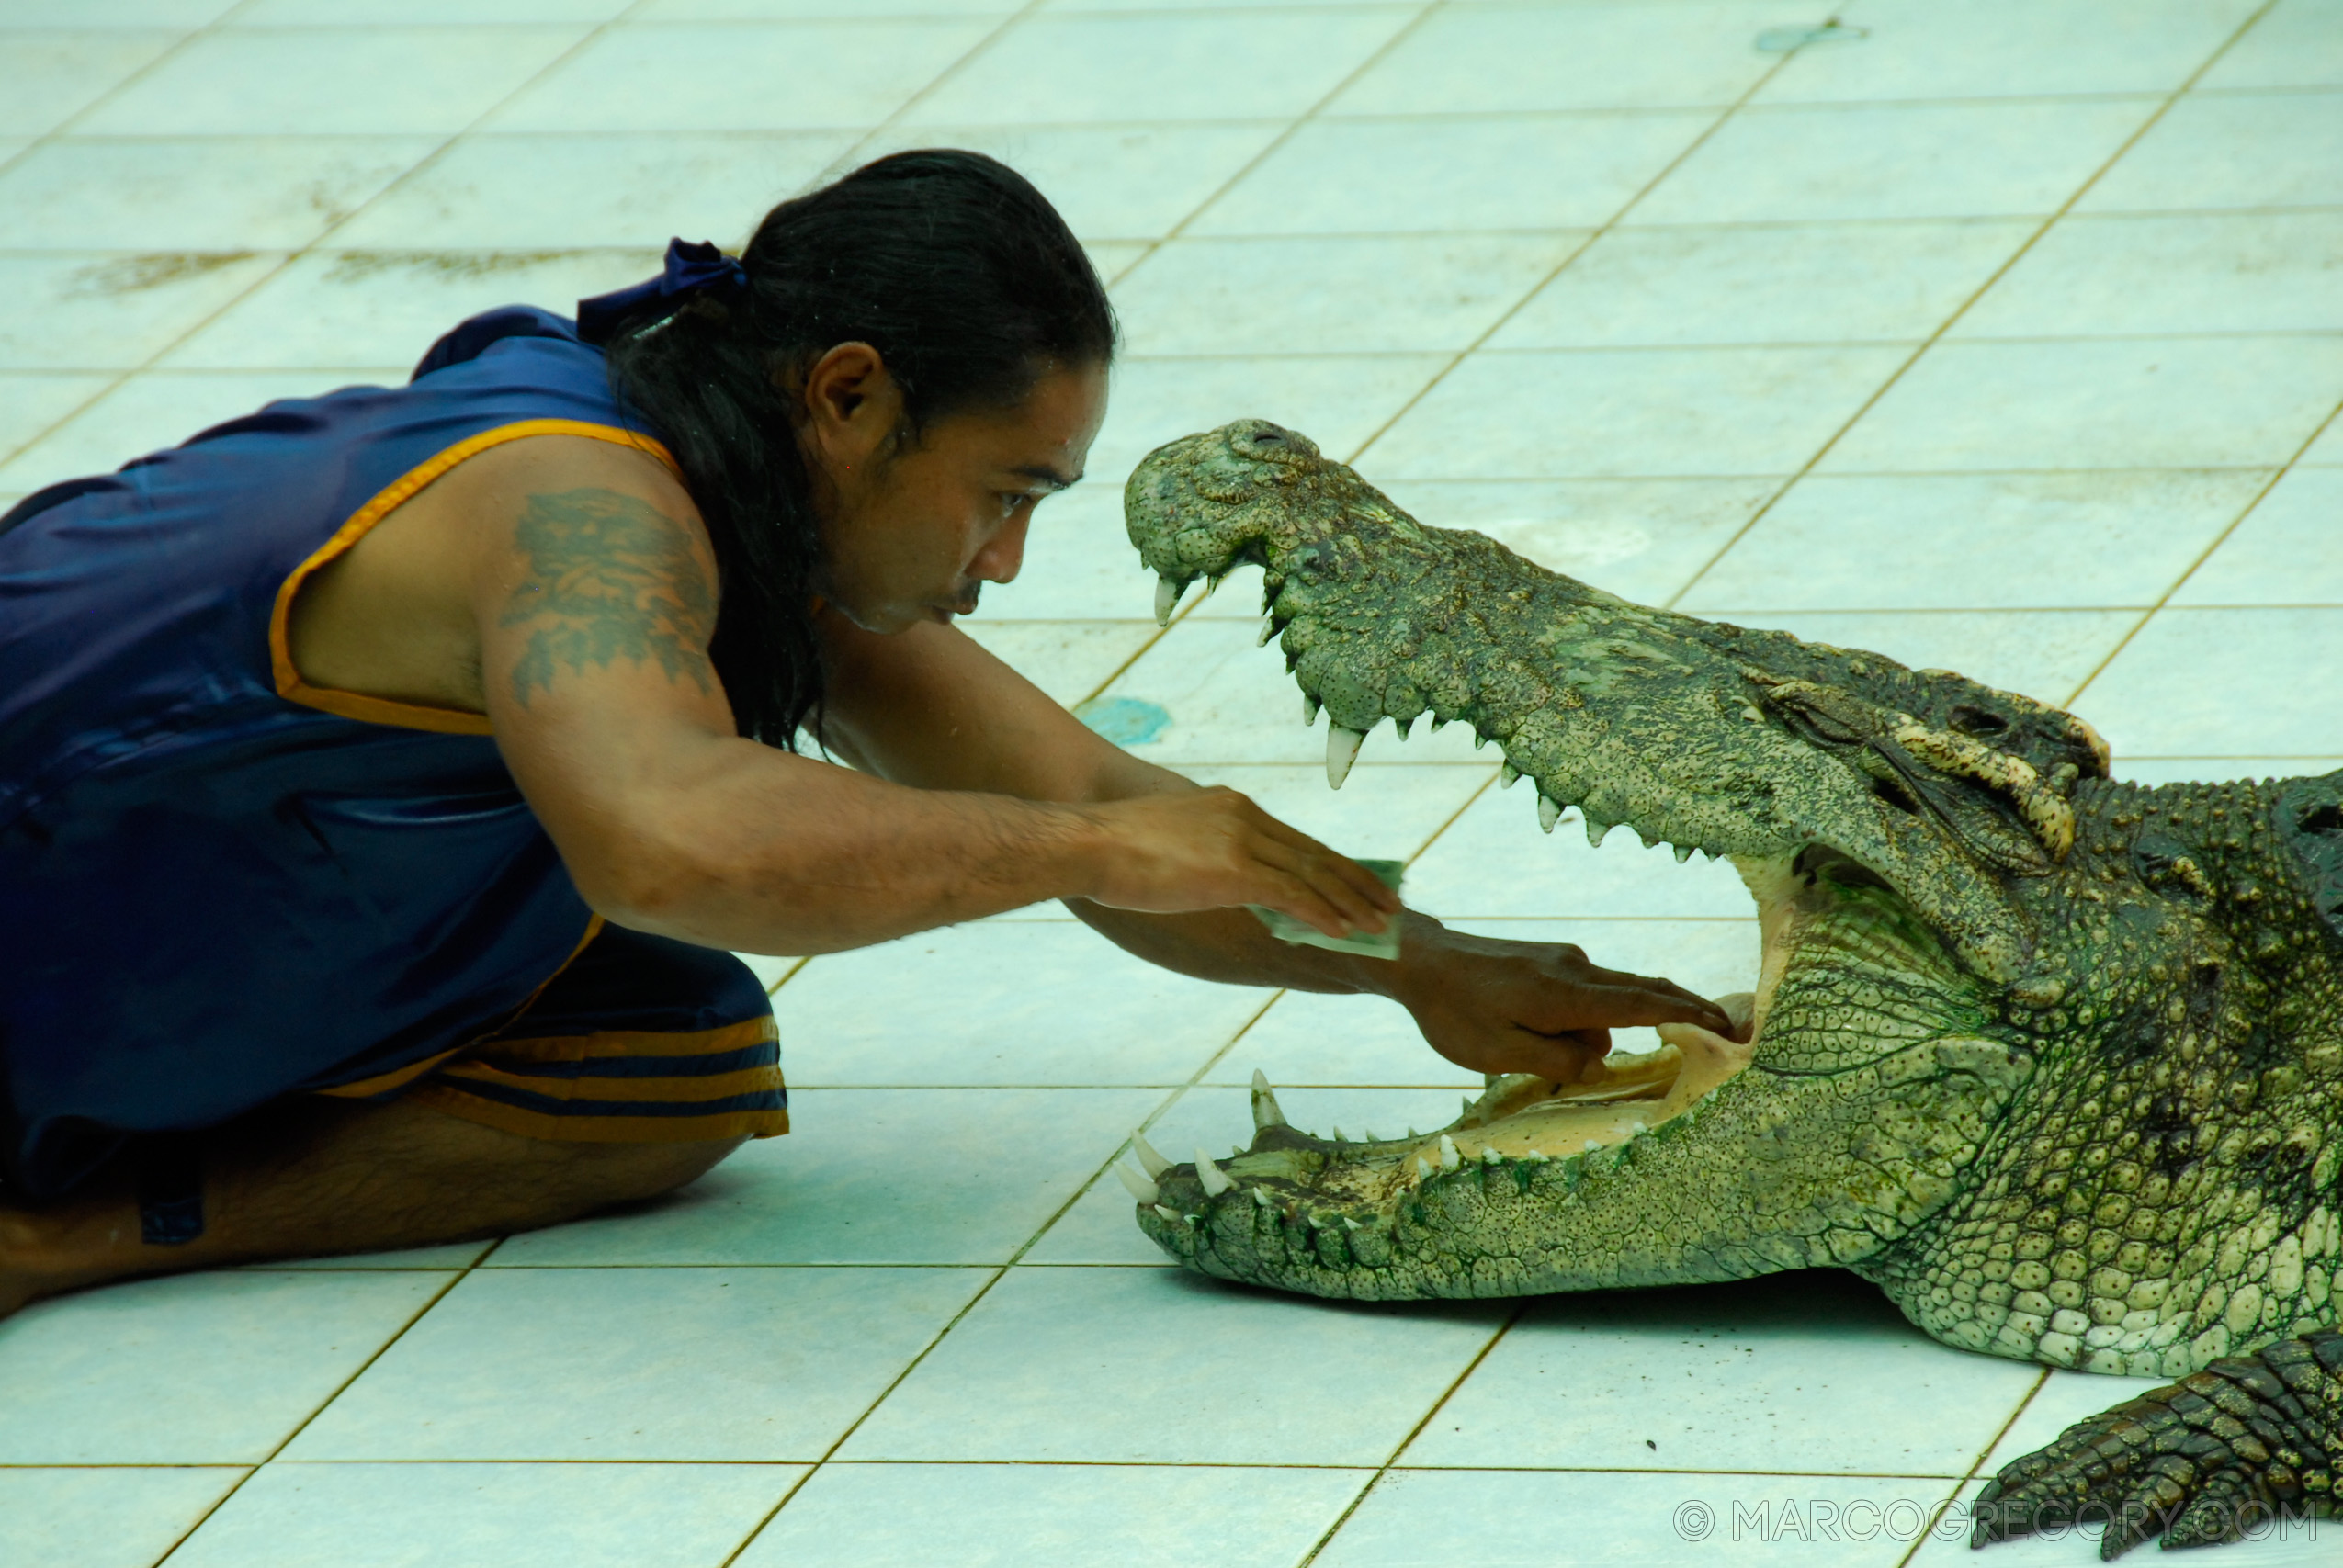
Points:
point(385, 710)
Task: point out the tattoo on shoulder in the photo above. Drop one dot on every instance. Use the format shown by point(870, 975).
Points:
point(610, 576)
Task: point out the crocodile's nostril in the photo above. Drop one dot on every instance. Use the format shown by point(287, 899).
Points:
point(1267, 438)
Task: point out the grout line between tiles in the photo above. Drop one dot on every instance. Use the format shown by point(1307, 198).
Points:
point(1038, 1463)
point(2025, 246)
point(2042, 1378)
point(380, 1350)
point(857, 153)
point(293, 254)
point(788, 974)
point(1291, 128)
point(1764, 345)
point(1690, 108)
point(1023, 1463)
point(2204, 555)
point(63, 127)
point(1413, 1432)
point(1340, 236)
point(1000, 1272)
point(1593, 236)
point(59, 131)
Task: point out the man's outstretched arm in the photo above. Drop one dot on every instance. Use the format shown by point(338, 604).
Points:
point(595, 598)
point(931, 708)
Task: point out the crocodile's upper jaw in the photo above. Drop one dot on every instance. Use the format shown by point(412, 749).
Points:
point(1697, 734)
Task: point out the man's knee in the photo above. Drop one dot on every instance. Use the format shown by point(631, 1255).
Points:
point(628, 1172)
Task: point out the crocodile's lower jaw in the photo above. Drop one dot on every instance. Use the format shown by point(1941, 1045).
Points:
point(1519, 1119)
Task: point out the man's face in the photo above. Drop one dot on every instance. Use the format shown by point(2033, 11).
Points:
point(913, 531)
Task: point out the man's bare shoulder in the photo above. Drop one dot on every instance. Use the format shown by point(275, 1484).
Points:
point(399, 614)
point(496, 481)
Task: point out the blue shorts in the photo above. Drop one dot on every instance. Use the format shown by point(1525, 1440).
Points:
point(637, 1039)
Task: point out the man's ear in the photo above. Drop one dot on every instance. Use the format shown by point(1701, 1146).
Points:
point(850, 404)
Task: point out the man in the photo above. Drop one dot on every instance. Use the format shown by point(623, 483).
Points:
point(383, 776)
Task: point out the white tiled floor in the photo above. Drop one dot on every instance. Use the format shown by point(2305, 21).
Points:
point(2001, 336)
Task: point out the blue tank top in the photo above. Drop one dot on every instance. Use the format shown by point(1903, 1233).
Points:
point(219, 883)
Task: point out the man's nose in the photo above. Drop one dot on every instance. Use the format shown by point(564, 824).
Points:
point(1004, 555)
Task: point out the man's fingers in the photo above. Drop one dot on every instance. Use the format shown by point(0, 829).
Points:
point(1629, 1006)
point(1309, 851)
point(1368, 886)
point(1662, 991)
point(1321, 875)
point(1615, 1006)
point(1568, 1058)
point(1293, 896)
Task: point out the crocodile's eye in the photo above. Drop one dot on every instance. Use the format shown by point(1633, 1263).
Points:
point(1970, 719)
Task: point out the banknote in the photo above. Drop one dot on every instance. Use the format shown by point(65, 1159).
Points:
point(1285, 927)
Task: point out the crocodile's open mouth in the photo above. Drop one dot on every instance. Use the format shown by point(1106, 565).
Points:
point(1883, 817)
point(1820, 914)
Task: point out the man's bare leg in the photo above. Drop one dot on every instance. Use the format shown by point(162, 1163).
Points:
point(315, 1176)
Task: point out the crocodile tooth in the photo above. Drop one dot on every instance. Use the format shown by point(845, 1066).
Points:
point(1265, 1111)
point(1309, 709)
point(1166, 1213)
point(1167, 599)
point(1596, 828)
point(1341, 749)
point(1491, 1156)
point(1683, 853)
point(1138, 1186)
point(1423, 1171)
point(1537, 1156)
point(1216, 1180)
point(1212, 585)
point(1438, 724)
point(1403, 726)
point(1351, 1224)
point(1367, 1135)
point(1449, 1159)
point(1413, 1133)
point(1508, 776)
point(1338, 1136)
point(1593, 1144)
point(1549, 812)
point(1149, 1161)
point(1262, 1197)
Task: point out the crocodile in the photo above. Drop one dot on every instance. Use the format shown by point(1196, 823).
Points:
point(2051, 1059)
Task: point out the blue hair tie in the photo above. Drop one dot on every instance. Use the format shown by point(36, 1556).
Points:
point(691, 270)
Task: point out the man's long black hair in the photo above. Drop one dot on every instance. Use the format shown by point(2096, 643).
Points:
point(966, 282)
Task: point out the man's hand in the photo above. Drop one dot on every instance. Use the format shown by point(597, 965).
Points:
point(1213, 848)
point(1497, 1006)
